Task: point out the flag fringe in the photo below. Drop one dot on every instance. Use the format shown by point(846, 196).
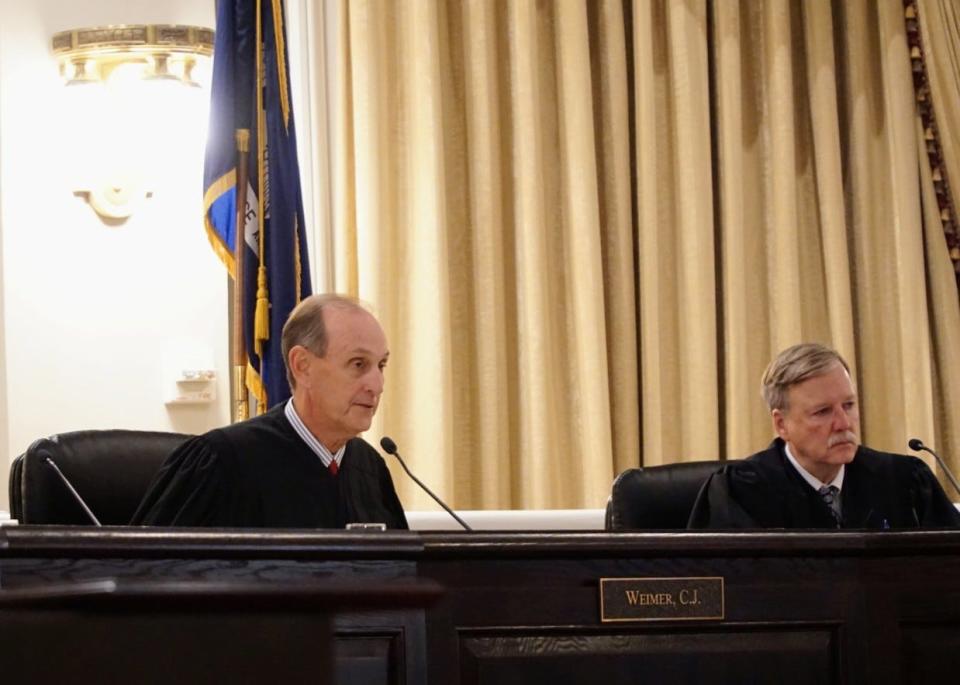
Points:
point(216, 190)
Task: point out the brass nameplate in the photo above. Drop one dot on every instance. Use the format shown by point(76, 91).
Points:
point(661, 599)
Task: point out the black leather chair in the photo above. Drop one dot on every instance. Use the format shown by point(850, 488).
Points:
point(110, 469)
point(657, 497)
point(13, 485)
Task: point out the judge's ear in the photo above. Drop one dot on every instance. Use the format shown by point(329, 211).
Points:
point(298, 361)
point(779, 423)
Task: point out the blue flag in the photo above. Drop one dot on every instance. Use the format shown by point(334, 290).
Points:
point(251, 119)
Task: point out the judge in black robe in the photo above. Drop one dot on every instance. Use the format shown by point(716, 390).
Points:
point(260, 473)
point(816, 474)
point(267, 471)
point(880, 490)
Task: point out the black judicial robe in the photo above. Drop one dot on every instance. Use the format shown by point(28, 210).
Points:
point(260, 473)
point(880, 490)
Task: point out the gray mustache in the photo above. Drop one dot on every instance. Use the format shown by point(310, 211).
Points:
point(846, 436)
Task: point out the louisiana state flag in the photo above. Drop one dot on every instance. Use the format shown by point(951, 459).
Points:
point(252, 134)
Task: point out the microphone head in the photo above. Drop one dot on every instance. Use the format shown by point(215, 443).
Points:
point(388, 445)
point(916, 444)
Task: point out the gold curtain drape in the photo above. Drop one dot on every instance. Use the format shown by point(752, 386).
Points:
point(940, 31)
point(588, 225)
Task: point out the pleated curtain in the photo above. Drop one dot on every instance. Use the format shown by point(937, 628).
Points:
point(588, 225)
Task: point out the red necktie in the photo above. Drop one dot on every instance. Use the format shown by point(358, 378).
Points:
point(333, 467)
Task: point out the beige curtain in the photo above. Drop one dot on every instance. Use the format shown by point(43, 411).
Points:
point(940, 32)
point(588, 225)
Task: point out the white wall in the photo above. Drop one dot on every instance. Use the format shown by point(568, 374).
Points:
point(97, 320)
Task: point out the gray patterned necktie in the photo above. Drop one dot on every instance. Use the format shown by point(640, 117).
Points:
point(831, 497)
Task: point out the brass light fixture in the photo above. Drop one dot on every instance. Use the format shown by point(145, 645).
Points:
point(119, 118)
point(91, 54)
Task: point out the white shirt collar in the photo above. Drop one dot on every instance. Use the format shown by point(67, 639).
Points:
point(326, 456)
point(814, 482)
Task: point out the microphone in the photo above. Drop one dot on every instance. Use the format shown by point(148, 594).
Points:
point(390, 447)
point(73, 491)
point(916, 444)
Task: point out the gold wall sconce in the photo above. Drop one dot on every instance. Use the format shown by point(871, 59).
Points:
point(133, 102)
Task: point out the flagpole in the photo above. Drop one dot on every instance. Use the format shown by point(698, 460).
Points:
point(241, 410)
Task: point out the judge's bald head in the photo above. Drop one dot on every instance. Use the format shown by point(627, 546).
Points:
point(795, 365)
point(306, 326)
point(336, 353)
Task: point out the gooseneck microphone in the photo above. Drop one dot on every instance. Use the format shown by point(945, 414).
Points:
point(73, 491)
point(390, 447)
point(916, 444)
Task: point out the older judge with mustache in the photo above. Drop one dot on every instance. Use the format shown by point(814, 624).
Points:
point(301, 464)
point(816, 474)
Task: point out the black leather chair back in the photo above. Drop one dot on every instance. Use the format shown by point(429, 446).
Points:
point(657, 497)
point(110, 469)
point(13, 485)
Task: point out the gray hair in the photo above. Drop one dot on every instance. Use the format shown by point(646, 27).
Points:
point(795, 365)
point(305, 326)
